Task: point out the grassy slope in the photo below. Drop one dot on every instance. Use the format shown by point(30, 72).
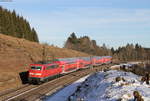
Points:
point(16, 55)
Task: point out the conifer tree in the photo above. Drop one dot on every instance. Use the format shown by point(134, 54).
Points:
point(15, 25)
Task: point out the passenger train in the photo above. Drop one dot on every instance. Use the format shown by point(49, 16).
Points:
point(42, 72)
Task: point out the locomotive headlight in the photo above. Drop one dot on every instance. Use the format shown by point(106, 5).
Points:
point(31, 73)
point(35, 74)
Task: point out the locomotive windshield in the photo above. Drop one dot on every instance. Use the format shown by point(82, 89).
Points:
point(36, 67)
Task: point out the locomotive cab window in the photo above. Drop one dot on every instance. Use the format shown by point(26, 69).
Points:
point(36, 67)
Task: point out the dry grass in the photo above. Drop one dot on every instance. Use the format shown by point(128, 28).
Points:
point(16, 55)
point(9, 79)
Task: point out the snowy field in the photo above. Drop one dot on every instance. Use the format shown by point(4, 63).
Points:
point(102, 86)
point(125, 65)
point(66, 92)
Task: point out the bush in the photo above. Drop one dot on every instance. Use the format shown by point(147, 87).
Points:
point(118, 79)
point(137, 96)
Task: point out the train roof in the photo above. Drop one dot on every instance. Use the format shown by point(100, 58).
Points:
point(43, 62)
point(86, 58)
point(67, 59)
point(107, 56)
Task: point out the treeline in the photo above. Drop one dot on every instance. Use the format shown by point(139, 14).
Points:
point(16, 26)
point(129, 52)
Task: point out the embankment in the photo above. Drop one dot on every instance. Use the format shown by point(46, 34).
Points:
point(16, 55)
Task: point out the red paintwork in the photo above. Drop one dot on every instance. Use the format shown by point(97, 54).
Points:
point(81, 64)
point(32, 72)
point(52, 71)
point(66, 66)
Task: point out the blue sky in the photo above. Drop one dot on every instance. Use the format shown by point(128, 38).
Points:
point(113, 22)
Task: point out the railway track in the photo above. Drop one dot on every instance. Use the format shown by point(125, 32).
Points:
point(34, 92)
point(12, 92)
point(3, 93)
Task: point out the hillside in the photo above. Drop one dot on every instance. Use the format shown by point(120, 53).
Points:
point(16, 55)
point(85, 44)
point(14, 25)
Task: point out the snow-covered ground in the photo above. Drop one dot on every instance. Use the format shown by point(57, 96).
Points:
point(63, 94)
point(125, 65)
point(102, 86)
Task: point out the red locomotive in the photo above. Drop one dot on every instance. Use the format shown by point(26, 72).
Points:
point(42, 72)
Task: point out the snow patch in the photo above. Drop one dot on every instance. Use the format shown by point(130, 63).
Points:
point(63, 94)
point(102, 86)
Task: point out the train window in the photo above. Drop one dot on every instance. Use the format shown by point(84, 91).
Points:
point(56, 60)
point(48, 67)
point(54, 66)
point(36, 67)
point(71, 63)
point(51, 67)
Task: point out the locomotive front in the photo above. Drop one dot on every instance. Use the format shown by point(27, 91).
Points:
point(36, 73)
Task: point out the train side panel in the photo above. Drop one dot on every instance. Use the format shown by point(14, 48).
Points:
point(51, 71)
